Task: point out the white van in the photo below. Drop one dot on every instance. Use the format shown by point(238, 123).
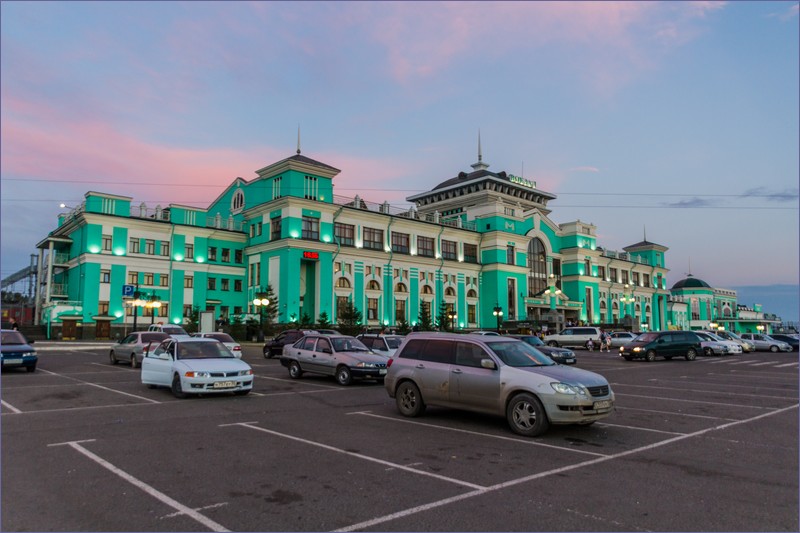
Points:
point(170, 329)
point(576, 336)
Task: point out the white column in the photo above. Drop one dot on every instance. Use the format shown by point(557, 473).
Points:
point(37, 309)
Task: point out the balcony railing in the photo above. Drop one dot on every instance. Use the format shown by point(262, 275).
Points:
point(411, 213)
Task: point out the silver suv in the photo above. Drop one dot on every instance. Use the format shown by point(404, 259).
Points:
point(576, 336)
point(495, 375)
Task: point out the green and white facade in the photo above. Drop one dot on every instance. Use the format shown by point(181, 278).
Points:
point(478, 242)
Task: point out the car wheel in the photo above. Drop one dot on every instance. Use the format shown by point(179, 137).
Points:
point(554, 344)
point(295, 372)
point(113, 359)
point(134, 362)
point(409, 399)
point(242, 392)
point(707, 352)
point(650, 356)
point(691, 355)
point(526, 415)
point(343, 375)
point(31, 368)
point(266, 353)
point(177, 390)
point(773, 349)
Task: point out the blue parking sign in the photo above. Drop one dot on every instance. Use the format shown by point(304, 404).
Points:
point(128, 290)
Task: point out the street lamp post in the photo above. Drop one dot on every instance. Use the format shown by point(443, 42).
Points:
point(760, 329)
point(452, 316)
point(498, 314)
point(154, 303)
point(136, 303)
point(260, 302)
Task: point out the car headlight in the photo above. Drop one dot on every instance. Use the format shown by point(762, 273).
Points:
point(637, 349)
point(248, 372)
point(366, 365)
point(194, 374)
point(564, 388)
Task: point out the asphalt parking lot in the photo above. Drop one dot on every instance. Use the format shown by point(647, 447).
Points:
point(708, 445)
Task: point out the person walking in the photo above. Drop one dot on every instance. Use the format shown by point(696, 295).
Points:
point(14, 324)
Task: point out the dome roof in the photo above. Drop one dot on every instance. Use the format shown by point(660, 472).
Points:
point(691, 283)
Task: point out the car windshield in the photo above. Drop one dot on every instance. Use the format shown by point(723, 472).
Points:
point(518, 354)
point(222, 337)
point(173, 330)
point(394, 343)
point(348, 344)
point(646, 337)
point(203, 350)
point(12, 337)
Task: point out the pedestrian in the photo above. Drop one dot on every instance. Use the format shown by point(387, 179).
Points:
point(590, 345)
point(14, 324)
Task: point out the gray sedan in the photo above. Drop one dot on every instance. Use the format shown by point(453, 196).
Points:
point(131, 348)
point(621, 338)
point(341, 356)
point(765, 343)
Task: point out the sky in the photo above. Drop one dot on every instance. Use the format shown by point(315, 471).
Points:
point(677, 121)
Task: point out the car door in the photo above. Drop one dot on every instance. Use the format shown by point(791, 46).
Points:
point(471, 385)
point(432, 369)
point(302, 352)
point(157, 364)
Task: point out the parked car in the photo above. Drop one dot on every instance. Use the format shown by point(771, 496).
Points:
point(495, 375)
point(713, 345)
point(382, 344)
point(191, 365)
point(764, 343)
point(620, 338)
point(131, 348)
point(791, 340)
point(274, 346)
point(494, 333)
point(344, 357)
point(561, 356)
point(666, 344)
point(747, 346)
point(225, 339)
point(16, 351)
point(169, 329)
point(576, 336)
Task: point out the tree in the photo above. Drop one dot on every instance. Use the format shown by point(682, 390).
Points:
point(237, 327)
point(305, 320)
point(323, 322)
point(350, 320)
point(441, 317)
point(271, 312)
point(403, 327)
point(425, 323)
point(193, 320)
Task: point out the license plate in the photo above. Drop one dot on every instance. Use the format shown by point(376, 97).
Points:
point(12, 361)
point(382, 371)
point(602, 404)
point(570, 360)
point(224, 384)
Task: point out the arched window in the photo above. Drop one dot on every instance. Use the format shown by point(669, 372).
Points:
point(472, 294)
point(373, 285)
point(426, 289)
point(343, 283)
point(537, 266)
point(400, 287)
point(237, 202)
point(449, 291)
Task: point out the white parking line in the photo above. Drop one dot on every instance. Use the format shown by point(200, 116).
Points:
point(672, 413)
point(488, 435)
point(370, 524)
point(357, 455)
point(87, 407)
point(704, 391)
point(104, 388)
point(787, 364)
point(764, 363)
point(10, 407)
point(207, 522)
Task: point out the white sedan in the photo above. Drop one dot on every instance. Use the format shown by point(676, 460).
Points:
point(194, 365)
point(225, 339)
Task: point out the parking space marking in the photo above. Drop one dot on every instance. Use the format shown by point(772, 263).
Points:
point(698, 401)
point(212, 506)
point(106, 388)
point(182, 509)
point(470, 432)
point(639, 428)
point(369, 524)
point(787, 364)
point(705, 391)
point(88, 407)
point(746, 362)
point(10, 407)
point(357, 455)
point(764, 363)
point(727, 385)
point(673, 413)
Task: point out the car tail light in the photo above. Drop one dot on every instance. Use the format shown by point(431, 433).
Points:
point(389, 362)
point(237, 348)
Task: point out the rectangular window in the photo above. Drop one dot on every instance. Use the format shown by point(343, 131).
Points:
point(601, 272)
point(212, 284)
point(471, 314)
point(400, 242)
point(150, 247)
point(341, 305)
point(337, 267)
point(373, 239)
point(212, 253)
point(635, 278)
point(237, 285)
point(133, 278)
point(310, 187)
point(587, 267)
point(102, 308)
point(148, 278)
point(624, 276)
point(310, 228)
point(378, 271)
point(646, 280)
point(425, 246)
point(237, 309)
point(106, 243)
point(226, 255)
point(275, 225)
point(189, 251)
point(238, 256)
point(133, 247)
point(164, 280)
point(470, 253)
point(348, 268)
point(449, 250)
point(368, 270)
point(612, 272)
point(187, 310)
point(344, 233)
point(225, 284)
point(399, 310)
point(188, 282)
point(105, 276)
point(165, 248)
point(372, 309)
point(510, 254)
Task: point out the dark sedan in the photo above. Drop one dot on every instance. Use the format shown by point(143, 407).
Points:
point(791, 340)
point(16, 351)
point(559, 355)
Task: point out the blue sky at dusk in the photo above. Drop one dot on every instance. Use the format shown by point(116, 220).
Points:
point(676, 118)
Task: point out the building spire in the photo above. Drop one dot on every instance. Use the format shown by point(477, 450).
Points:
point(645, 233)
point(298, 139)
point(480, 165)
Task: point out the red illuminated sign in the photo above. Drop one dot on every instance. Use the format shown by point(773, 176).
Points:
point(310, 255)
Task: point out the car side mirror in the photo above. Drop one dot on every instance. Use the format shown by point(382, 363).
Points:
point(165, 356)
point(488, 363)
